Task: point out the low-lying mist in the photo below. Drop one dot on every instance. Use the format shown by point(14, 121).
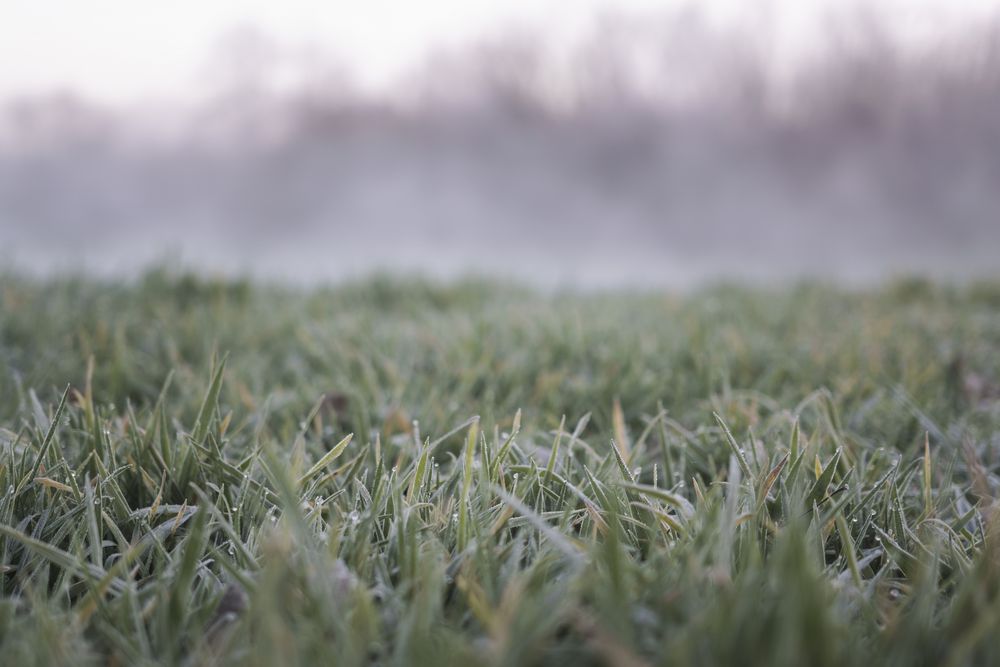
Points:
point(621, 164)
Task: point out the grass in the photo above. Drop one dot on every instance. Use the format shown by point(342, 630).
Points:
point(209, 472)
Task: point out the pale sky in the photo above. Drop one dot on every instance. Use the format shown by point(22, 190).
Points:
point(119, 51)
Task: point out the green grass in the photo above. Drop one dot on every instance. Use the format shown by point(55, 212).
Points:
point(794, 476)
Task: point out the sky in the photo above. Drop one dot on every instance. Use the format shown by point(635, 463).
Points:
point(126, 51)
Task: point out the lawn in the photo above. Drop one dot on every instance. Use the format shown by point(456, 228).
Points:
point(202, 471)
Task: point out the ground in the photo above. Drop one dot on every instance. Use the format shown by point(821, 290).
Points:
point(209, 471)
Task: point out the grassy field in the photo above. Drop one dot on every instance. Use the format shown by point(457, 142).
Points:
point(392, 472)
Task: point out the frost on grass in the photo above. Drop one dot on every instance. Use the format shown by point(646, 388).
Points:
point(802, 477)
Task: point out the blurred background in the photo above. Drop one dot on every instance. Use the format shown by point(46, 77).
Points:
point(630, 143)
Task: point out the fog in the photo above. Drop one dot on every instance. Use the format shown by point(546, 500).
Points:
point(646, 157)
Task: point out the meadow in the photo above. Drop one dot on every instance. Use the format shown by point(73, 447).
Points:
point(213, 471)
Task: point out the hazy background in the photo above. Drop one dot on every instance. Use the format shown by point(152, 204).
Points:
point(560, 143)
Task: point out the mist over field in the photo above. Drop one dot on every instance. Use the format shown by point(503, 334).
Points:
point(641, 337)
point(666, 156)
